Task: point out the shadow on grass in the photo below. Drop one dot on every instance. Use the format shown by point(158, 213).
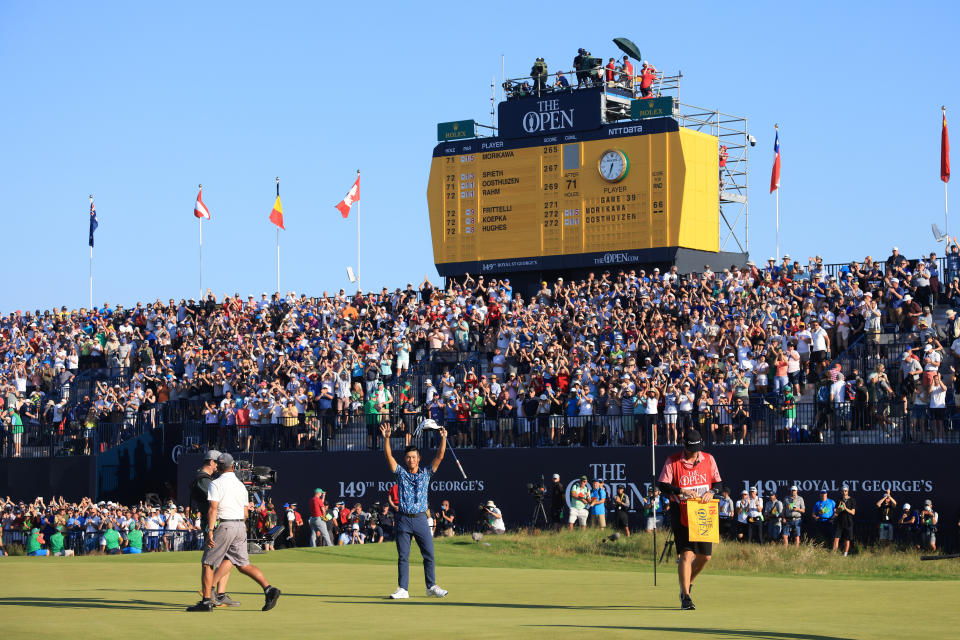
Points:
point(89, 603)
point(432, 602)
point(694, 631)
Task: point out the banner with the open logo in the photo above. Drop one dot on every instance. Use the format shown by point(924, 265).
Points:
point(703, 520)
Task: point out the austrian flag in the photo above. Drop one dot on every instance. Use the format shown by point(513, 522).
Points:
point(199, 209)
point(352, 196)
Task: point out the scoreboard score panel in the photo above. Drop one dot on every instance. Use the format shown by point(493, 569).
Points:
point(516, 204)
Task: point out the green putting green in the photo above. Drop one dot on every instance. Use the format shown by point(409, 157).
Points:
point(510, 588)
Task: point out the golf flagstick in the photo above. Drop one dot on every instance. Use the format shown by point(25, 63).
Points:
point(459, 466)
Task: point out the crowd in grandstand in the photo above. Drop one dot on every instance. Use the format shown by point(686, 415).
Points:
point(598, 361)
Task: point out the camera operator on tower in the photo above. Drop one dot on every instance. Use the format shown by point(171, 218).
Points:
point(689, 475)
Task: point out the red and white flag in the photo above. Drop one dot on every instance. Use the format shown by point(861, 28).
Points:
point(944, 150)
point(775, 174)
point(200, 210)
point(352, 196)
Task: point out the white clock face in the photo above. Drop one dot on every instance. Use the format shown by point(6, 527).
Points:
point(613, 165)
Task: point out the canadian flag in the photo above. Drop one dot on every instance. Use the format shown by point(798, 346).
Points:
point(352, 196)
point(200, 210)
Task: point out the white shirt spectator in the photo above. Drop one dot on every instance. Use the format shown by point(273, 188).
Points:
point(819, 339)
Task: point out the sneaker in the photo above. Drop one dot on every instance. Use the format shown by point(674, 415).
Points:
point(400, 594)
point(224, 600)
point(436, 592)
point(203, 605)
point(686, 604)
point(270, 597)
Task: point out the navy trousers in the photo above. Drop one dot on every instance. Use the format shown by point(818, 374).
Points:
point(415, 526)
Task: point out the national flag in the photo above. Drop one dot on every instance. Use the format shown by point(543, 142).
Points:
point(352, 196)
point(944, 150)
point(93, 221)
point(775, 175)
point(199, 209)
point(276, 214)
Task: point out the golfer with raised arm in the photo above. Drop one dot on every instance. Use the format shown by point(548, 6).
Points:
point(411, 520)
point(689, 475)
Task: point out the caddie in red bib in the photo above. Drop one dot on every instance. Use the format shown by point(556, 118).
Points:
point(689, 475)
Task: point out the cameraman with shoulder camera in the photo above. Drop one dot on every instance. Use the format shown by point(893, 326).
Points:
point(226, 546)
point(199, 504)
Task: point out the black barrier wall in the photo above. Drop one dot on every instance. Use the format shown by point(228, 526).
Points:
point(911, 473)
point(26, 478)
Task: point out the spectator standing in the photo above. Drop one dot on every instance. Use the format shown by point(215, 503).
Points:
point(598, 505)
point(929, 519)
point(621, 503)
point(846, 509)
point(887, 515)
point(793, 517)
point(725, 510)
point(579, 501)
point(754, 512)
point(823, 513)
point(907, 526)
point(773, 516)
point(558, 500)
point(318, 522)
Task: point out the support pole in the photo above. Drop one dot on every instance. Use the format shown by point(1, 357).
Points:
point(946, 218)
point(91, 261)
point(200, 227)
point(278, 243)
point(358, 239)
point(778, 225)
point(653, 485)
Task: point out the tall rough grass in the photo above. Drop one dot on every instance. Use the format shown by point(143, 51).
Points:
point(807, 560)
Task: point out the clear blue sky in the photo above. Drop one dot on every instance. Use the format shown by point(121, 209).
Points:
point(137, 103)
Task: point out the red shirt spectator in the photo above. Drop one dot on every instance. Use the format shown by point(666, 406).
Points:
point(317, 506)
point(611, 70)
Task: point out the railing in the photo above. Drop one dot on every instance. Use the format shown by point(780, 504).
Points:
point(766, 424)
point(594, 76)
point(45, 439)
point(87, 542)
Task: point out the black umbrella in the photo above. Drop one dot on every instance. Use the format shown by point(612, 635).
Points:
point(628, 48)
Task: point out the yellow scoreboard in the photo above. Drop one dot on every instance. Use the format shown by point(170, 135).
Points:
point(613, 195)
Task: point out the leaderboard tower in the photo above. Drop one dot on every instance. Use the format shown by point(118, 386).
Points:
point(587, 180)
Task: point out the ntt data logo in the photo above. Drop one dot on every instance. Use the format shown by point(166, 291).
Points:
point(547, 117)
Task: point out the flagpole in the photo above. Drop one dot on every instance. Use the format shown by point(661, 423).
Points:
point(778, 226)
point(278, 243)
point(91, 261)
point(358, 239)
point(200, 227)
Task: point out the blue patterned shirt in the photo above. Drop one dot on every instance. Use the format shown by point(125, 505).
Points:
point(413, 489)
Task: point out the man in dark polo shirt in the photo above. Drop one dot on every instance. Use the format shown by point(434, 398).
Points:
point(199, 504)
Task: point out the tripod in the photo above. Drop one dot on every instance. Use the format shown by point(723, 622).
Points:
point(539, 512)
point(667, 546)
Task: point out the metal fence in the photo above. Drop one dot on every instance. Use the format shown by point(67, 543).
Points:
point(66, 438)
point(763, 423)
point(87, 542)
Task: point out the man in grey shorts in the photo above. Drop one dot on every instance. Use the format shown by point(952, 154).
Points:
point(227, 546)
